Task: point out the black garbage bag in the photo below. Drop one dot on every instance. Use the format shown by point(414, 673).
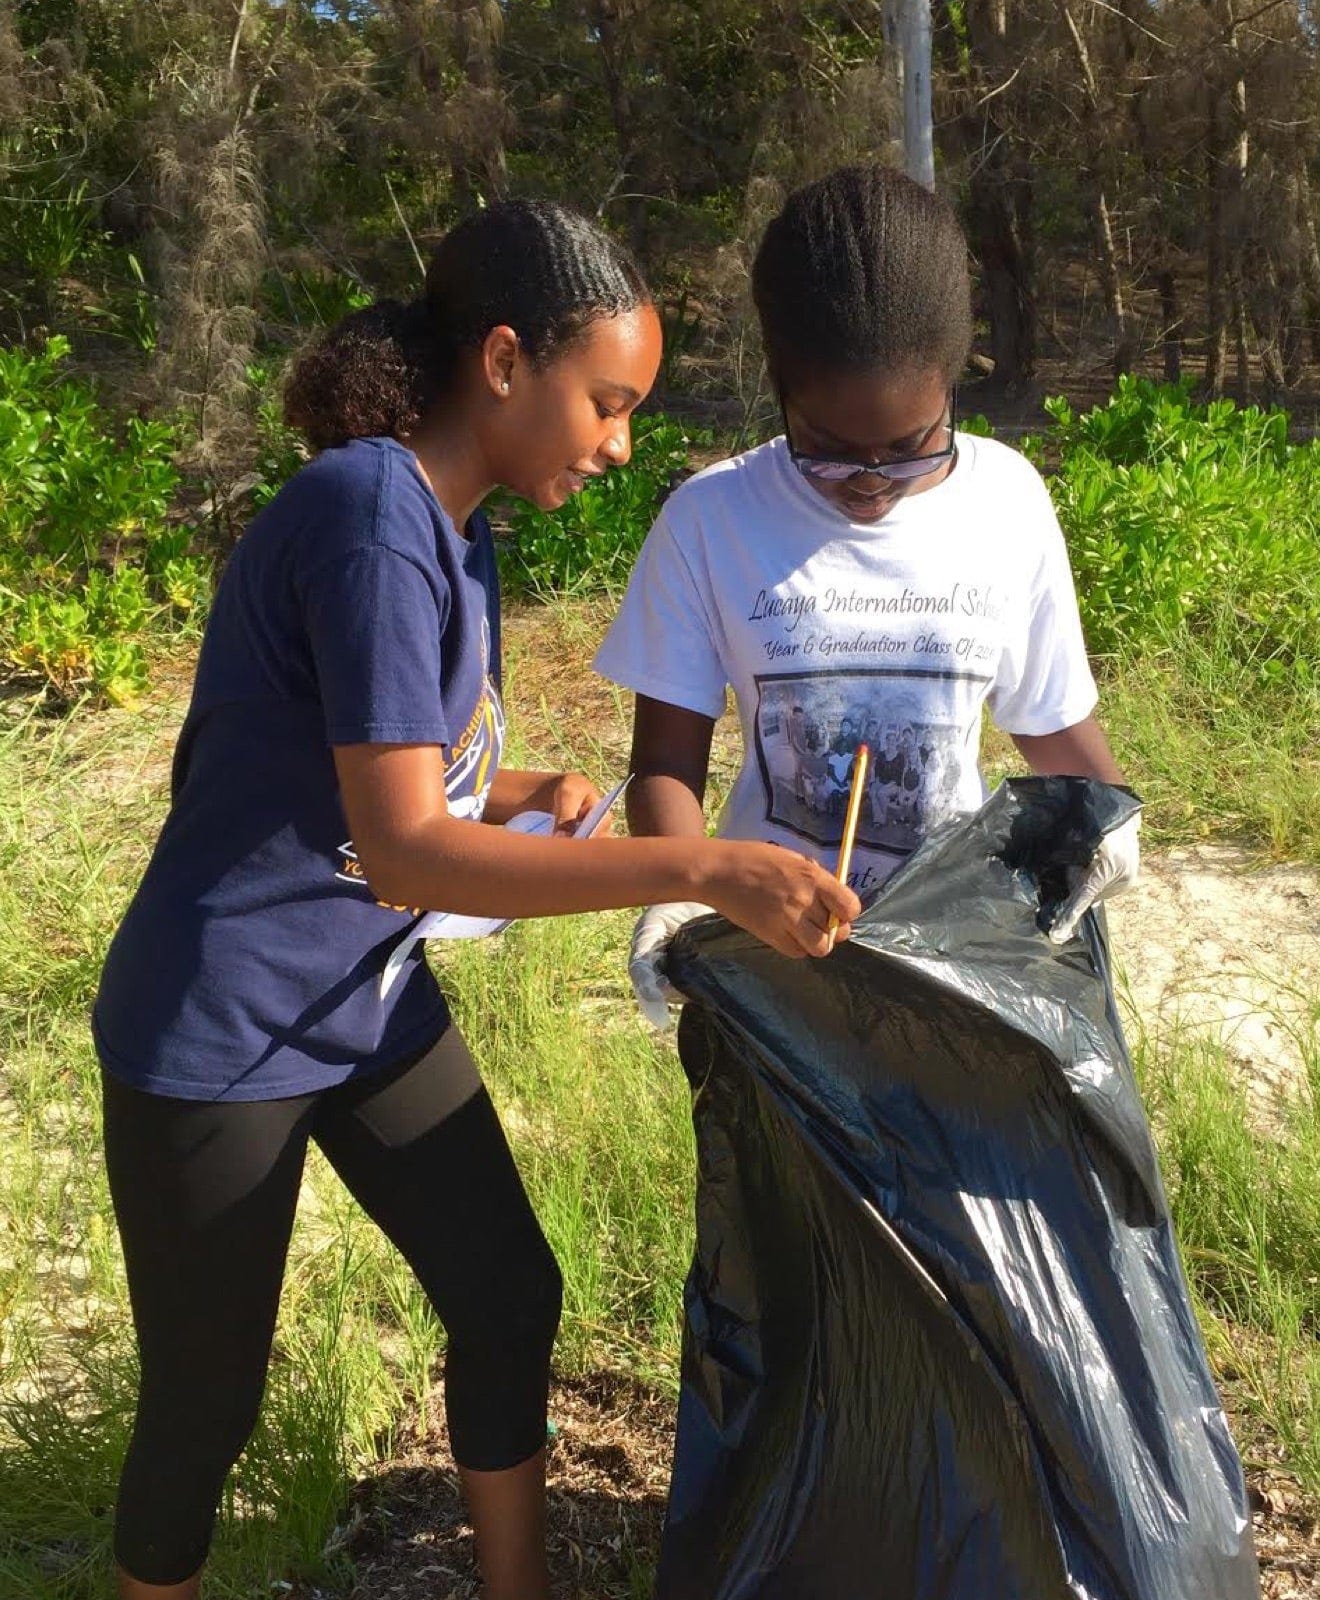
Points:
point(938, 1342)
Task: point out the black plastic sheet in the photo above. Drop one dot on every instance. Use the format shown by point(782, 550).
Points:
point(938, 1342)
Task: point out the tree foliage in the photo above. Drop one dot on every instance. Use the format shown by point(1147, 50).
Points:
point(201, 179)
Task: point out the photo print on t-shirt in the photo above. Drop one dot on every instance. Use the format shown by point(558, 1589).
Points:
point(808, 728)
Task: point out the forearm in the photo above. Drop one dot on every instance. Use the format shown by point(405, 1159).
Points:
point(662, 806)
point(414, 853)
point(669, 762)
point(447, 864)
point(514, 791)
point(1081, 751)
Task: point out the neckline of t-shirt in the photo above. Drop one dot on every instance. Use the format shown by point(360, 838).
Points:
point(452, 530)
point(910, 510)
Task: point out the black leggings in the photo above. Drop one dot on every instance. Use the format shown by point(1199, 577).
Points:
point(205, 1195)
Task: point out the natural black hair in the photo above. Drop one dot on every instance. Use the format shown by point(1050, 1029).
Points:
point(863, 270)
point(537, 267)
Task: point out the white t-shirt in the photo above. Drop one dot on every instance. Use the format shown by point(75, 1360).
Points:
point(834, 633)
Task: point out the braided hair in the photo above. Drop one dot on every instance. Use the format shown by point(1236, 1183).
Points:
point(535, 266)
point(863, 270)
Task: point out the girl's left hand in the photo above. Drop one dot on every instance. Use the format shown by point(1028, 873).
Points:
point(656, 926)
point(1114, 867)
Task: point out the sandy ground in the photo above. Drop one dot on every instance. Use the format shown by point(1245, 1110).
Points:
point(1212, 945)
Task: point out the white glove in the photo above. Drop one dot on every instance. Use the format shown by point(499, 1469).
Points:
point(1114, 867)
point(656, 926)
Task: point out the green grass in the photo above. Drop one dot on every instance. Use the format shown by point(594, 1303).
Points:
point(597, 1112)
point(1212, 751)
point(70, 855)
point(1212, 755)
point(1246, 1206)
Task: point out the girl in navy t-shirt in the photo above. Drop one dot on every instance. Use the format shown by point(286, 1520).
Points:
point(341, 751)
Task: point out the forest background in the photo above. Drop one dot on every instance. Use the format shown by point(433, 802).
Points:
point(1135, 179)
point(188, 191)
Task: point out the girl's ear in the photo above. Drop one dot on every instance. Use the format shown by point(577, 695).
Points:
point(499, 360)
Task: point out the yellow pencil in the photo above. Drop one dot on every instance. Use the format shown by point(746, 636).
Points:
point(861, 761)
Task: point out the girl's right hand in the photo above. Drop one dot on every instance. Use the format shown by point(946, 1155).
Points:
point(782, 897)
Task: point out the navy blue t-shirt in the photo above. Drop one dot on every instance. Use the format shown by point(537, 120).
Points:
point(248, 965)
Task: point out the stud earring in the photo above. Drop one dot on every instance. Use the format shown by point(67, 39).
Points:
point(504, 387)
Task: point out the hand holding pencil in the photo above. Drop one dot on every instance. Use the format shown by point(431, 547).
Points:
point(861, 761)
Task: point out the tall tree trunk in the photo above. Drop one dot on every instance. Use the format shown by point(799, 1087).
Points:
point(1267, 298)
point(1240, 346)
point(1172, 321)
point(479, 164)
point(612, 29)
point(1111, 276)
point(1147, 119)
point(1112, 279)
point(1216, 259)
point(1287, 272)
point(1310, 247)
point(1002, 246)
point(999, 197)
point(1229, 155)
point(908, 32)
point(1292, 349)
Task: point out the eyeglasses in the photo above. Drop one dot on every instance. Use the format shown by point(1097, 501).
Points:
point(831, 469)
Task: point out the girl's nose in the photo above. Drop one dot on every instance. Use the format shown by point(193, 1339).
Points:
point(616, 446)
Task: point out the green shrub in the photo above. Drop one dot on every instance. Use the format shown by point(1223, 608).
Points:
point(1144, 423)
point(77, 641)
point(131, 313)
point(89, 561)
point(1184, 516)
point(591, 542)
point(280, 449)
point(1194, 533)
point(48, 234)
point(314, 297)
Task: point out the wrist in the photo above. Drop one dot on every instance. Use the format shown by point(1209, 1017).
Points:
point(541, 793)
point(709, 866)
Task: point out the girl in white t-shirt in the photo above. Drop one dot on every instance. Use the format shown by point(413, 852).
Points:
point(871, 570)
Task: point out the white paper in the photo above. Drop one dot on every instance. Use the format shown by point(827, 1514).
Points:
point(602, 808)
point(452, 925)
